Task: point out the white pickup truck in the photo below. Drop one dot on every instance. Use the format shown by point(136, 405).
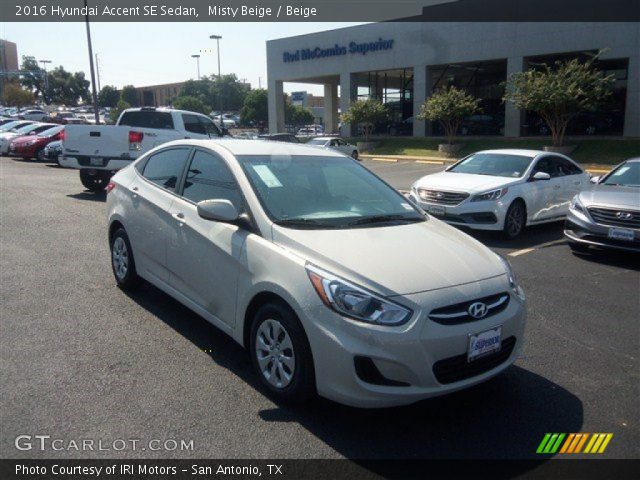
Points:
point(98, 151)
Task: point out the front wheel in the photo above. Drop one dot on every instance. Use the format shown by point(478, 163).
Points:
point(93, 180)
point(281, 355)
point(515, 220)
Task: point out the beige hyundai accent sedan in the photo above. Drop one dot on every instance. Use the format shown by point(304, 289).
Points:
point(335, 283)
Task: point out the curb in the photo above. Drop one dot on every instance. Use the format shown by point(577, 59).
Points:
point(591, 168)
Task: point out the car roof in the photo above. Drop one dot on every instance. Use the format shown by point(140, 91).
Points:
point(633, 160)
point(515, 151)
point(259, 147)
point(325, 138)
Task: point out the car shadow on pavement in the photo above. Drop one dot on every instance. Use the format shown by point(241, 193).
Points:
point(612, 258)
point(91, 196)
point(530, 237)
point(505, 417)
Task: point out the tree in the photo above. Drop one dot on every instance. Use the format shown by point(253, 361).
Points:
point(449, 106)
point(199, 89)
point(120, 107)
point(129, 94)
point(297, 115)
point(558, 92)
point(33, 77)
point(190, 103)
point(108, 96)
point(227, 93)
point(366, 113)
point(255, 108)
point(66, 88)
point(16, 96)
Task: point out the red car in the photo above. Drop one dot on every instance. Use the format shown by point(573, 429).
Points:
point(30, 146)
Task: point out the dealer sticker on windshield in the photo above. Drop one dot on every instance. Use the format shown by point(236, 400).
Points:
point(267, 176)
point(484, 343)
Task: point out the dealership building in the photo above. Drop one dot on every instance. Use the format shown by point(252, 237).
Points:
point(402, 63)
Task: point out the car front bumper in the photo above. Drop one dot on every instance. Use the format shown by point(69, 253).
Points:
point(487, 215)
point(580, 228)
point(410, 359)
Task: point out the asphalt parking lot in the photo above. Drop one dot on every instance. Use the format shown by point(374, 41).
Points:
point(82, 359)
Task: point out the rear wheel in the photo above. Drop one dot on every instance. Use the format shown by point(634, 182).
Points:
point(515, 219)
point(94, 180)
point(122, 263)
point(280, 353)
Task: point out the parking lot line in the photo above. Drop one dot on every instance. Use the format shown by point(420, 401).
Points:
point(389, 160)
point(430, 162)
point(524, 251)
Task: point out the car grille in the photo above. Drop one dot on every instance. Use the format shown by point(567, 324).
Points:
point(459, 313)
point(454, 369)
point(610, 216)
point(441, 197)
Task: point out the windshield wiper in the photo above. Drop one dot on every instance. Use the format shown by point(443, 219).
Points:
point(383, 219)
point(301, 222)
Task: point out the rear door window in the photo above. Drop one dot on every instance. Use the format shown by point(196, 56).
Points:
point(147, 119)
point(165, 168)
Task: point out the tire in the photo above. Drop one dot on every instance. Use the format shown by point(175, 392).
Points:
point(515, 220)
point(122, 262)
point(354, 155)
point(94, 182)
point(277, 336)
point(578, 247)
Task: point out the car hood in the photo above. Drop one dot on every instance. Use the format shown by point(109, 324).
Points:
point(395, 260)
point(464, 182)
point(612, 196)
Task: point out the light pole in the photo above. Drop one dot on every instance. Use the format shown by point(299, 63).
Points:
point(217, 39)
point(197, 57)
point(46, 78)
point(94, 94)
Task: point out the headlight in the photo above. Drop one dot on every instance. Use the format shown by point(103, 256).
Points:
point(576, 205)
point(492, 195)
point(355, 302)
point(513, 282)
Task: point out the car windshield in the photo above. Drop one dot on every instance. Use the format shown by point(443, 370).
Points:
point(627, 175)
point(493, 164)
point(8, 126)
point(316, 141)
point(324, 192)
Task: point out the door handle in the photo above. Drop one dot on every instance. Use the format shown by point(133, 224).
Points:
point(179, 216)
point(577, 183)
point(134, 190)
point(556, 187)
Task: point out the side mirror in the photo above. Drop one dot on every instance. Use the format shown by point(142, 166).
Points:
point(595, 180)
point(218, 210)
point(541, 176)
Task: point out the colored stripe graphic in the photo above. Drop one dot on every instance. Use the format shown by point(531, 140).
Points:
point(573, 443)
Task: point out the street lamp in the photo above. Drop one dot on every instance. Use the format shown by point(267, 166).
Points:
point(217, 39)
point(197, 57)
point(46, 78)
point(94, 93)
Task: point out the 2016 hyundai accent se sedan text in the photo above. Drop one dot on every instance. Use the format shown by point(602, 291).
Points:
point(328, 276)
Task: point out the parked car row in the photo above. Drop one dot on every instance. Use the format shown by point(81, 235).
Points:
point(27, 139)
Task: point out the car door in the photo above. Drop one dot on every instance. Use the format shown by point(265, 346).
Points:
point(543, 195)
point(204, 256)
point(149, 220)
point(574, 181)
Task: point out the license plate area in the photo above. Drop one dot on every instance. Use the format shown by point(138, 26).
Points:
point(484, 343)
point(621, 234)
point(437, 210)
point(96, 161)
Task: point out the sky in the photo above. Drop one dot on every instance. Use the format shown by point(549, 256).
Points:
point(151, 53)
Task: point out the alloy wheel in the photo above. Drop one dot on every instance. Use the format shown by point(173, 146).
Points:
point(120, 258)
point(274, 352)
point(515, 220)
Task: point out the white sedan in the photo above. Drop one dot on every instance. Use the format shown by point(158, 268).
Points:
point(502, 190)
point(337, 144)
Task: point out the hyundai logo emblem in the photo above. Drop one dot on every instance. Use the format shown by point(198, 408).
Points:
point(624, 215)
point(439, 195)
point(478, 310)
